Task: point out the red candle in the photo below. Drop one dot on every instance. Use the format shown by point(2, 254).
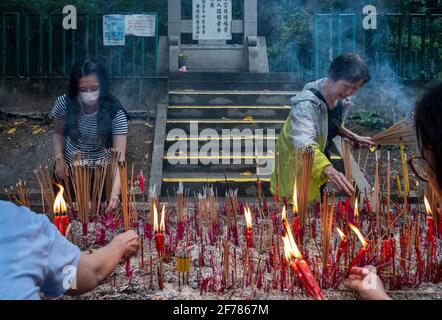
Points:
point(362, 252)
point(248, 230)
point(159, 231)
point(63, 224)
point(299, 266)
point(356, 214)
point(343, 246)
point(430, 230)
point(59, 208)
point(57, 222)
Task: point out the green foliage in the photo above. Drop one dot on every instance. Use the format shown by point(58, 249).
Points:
point(371, 119)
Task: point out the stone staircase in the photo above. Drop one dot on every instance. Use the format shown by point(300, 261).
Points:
point(239, 114)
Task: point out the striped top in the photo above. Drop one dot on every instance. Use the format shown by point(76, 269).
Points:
point(88, 131)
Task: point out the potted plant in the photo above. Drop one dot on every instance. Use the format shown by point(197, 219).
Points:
point(182, 58)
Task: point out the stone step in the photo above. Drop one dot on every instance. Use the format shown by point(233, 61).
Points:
point(230, 97)
point(220, 181)
point(235, 85)
point(234, 76)
point(225, 124)
point(247, 142)
point(275, 112)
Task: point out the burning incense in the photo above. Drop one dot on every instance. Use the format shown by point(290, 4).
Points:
point(248, 229)
point(60, 210)
point(300, 267)
point(364, 249)
point(159, 230)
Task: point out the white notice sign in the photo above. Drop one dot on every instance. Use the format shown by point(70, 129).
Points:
point(212, 20)
point(140, 25)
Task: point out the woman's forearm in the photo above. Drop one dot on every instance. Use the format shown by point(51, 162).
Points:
point(344, 132)
point(58, 144)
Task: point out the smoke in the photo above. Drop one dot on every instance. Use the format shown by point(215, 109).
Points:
point(293, 33)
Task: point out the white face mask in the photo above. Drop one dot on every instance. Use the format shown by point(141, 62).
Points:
point(89, 97)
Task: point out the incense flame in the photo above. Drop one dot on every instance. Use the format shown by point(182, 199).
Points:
point(59, 203)
point(248, 216)
point(341, 234)
point(358, 233)
point(284, 214)
point(356, 210)
point(428, 207)
point(290, 248)
point(155, 218)
point(162, 221)
point(295, 200)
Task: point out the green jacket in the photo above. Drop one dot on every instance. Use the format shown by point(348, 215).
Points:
point(306, 126)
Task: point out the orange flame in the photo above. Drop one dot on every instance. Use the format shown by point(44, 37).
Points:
point(155, 218)
point(248, 216)
point(162, 221)
point(295, 200)
point(358, 233)
point(290, 248)
point(59, 203)
point(356, 210)
point(341, 234)
point(428, 207)
point(284, 214)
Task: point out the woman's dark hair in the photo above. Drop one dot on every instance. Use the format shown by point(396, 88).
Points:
point(108, 105)
point(428, 120)
point(349, 67)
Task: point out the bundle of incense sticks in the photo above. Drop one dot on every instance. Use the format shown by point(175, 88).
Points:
point(305, 177)
point(19, 194)
point(212, 207)
point(47, 191)
point(132, 200)
point(232, 207)
point(346, 156)
point(81, 175)
point(100, 172)
point(403, 130)
point(181, 203)
point(202, 205)
point(327, 213)
point(111, 173)
point(122, 166)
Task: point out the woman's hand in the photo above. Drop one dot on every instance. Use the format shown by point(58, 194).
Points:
point(113, 202)
point(339, 180)
point(127, 242)
point(366, 141)
point(61, 168)
point(366, 283)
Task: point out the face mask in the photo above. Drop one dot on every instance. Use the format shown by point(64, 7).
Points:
point(89, 97)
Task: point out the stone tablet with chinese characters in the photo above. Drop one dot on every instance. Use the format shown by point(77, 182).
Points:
point(212, 20)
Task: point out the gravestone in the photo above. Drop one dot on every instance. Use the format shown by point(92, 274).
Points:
point(246, 53)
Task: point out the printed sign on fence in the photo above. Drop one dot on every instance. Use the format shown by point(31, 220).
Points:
point(113, 30)
point(140, 25)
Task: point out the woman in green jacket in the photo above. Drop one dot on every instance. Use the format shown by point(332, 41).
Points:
point(317, 116)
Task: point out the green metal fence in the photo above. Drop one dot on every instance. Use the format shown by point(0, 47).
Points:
point(37, 45)
point(405, 46)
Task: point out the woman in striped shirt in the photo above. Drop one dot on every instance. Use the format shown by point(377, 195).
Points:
point(89, 120)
